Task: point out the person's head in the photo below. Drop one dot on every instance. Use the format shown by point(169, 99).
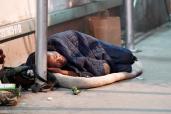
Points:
point(54, 59)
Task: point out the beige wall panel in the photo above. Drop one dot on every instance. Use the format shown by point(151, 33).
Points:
point(17, 50)
point(16, 10)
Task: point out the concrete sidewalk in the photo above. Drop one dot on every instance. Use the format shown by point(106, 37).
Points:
point(149, 94)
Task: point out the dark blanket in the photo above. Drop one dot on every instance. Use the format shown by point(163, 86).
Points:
point(86, 54)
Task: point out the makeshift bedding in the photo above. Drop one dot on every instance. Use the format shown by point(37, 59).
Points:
point(86, 54)
point(86, 83)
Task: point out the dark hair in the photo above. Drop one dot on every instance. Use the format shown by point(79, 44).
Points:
point(2, 56)
point(31, 59)
point(51, 48)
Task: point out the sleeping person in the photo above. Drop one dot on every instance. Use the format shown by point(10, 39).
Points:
point(77, 54)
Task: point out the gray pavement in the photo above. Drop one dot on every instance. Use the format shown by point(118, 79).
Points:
point(150, 94)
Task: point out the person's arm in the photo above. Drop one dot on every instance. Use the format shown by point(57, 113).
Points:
point(64, 72)
point(106, 68)
point(72, 73)
point(93, 65)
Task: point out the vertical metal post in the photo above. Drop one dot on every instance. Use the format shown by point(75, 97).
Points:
point(41, 38)
point(129, 25)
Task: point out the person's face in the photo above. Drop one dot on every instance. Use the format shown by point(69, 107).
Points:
point(54, 59)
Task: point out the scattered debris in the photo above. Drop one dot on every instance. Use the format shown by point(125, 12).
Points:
point(8, 98)
point(49, 98)
point(75, 90)
point(23, 104)
point(140, 78)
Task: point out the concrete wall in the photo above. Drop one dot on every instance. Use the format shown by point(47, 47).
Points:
point(20, 15)
point(18, 10)
point(18, 49)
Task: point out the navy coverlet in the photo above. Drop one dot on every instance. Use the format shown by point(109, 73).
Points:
point(86, 54)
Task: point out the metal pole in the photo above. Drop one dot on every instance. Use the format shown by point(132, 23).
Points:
point(41, 38)
point(129, 25)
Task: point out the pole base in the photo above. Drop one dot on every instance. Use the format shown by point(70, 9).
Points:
point(135, 50)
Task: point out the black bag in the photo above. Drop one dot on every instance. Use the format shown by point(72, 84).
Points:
point(26, 76)
point(22, 76)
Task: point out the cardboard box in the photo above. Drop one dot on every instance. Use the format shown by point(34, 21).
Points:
point(107, 29)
